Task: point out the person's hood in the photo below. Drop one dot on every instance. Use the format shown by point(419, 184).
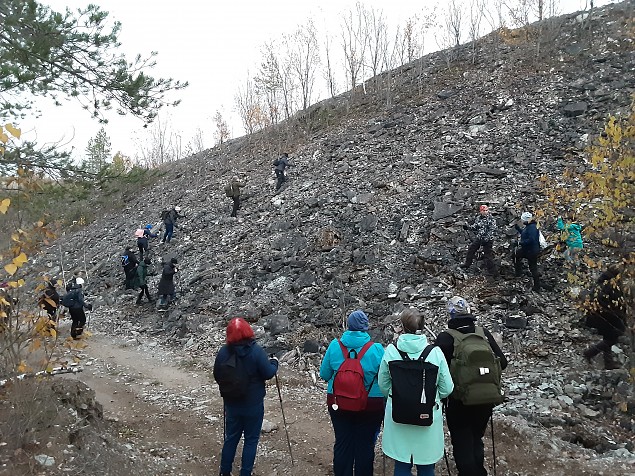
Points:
point(354, 339)
point(243, 347)
point(465, 322)
point(412, 343)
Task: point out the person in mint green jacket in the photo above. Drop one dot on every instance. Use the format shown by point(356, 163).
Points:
point(355, 431)
point(409, 444)
point(572, 234)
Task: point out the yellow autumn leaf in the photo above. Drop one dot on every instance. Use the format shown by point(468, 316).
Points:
point(20, 260)
point(53, 333)
point(14, 131)
point(49, 368)
point(87, 333)
point(12, 284)
point(4, 205)
point(10, 268)
point(36, 344)
point(22, 367)
point(50, 302)
point(3, 137)
point(3, 314)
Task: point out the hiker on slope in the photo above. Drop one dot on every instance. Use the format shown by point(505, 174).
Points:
point(241, 369)
point(528, 248)
point(410, 444)
point(74, 301)
point(142, 241)
point(355, 429)
point(169, 220)
point(466, 420)
point(167, 290)
point(233, 191)
point(485, 228)
point(129, 262)
point(141, 280)
point(606, 312)
point(571, 234)
point(279, 166)
point(50, 300)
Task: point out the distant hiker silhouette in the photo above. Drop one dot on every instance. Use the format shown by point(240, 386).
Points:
point(279, 166)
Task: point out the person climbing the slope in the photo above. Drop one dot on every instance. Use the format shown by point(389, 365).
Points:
point(485, 228)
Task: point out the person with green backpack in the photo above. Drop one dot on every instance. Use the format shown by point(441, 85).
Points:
point(476, 362)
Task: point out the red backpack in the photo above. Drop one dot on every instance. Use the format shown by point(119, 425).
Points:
point(349, 391)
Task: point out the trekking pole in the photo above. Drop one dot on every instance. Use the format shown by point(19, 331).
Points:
point(447, 461)
point(284, 420)
point(491, 424)
point(62, 264)
point(86, 269)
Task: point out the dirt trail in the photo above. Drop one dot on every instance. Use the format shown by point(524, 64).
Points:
point(169, 409)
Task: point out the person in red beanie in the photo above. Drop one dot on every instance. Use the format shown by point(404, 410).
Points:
point(241, 369)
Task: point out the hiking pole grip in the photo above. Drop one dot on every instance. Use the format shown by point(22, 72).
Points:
point(284, 420)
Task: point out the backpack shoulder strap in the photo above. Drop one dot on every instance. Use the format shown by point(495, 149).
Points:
point(478, 330)
point(363, 350)
point(426, 352)
point(404, 355)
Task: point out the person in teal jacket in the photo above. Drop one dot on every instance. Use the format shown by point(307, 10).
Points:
point(409, 444)
point(572, 234)
point(355, 432)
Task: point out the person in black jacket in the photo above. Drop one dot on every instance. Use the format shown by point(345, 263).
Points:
point(280, 164)
point(129, 262)
point(528, 248)
point(169, 220)
point(167, 290)
point(142, 241)
point(467, 424)
point(245, 415)
point(50, 300)
point(606, 312)
point(74, 300)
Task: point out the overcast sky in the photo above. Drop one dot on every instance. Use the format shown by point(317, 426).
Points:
point(213, 45)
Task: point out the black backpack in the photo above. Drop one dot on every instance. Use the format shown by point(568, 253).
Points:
point(232, 379)
point(164, 214)
point(276, 162)
point(414, 389)
point(70, 299)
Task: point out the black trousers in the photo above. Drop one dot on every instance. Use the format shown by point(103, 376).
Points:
point(281, 178)
point(467, 427)
point(488, 254)
point(144, 289)
point(236, 205)
point(78, 318)
point(355, 436)
point(532, 260)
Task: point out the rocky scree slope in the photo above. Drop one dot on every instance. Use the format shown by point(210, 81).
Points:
point(372, 216)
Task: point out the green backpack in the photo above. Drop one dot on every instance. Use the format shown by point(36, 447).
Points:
point(475, 369)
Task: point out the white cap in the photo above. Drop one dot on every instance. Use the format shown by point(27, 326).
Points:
point(79, 281)
point(526, 217)
point(177, 208)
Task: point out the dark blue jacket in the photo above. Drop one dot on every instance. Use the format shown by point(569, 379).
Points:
point(529, 238)
point(256, 363)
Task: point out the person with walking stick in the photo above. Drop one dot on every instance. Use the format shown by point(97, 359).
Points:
point(241, 369)
point(476, 362)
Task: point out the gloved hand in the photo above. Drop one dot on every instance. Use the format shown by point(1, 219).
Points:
point(89, 307)
point(466, 226)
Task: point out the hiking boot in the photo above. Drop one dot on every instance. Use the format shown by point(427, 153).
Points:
point(590, 353)
point(609, 361)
